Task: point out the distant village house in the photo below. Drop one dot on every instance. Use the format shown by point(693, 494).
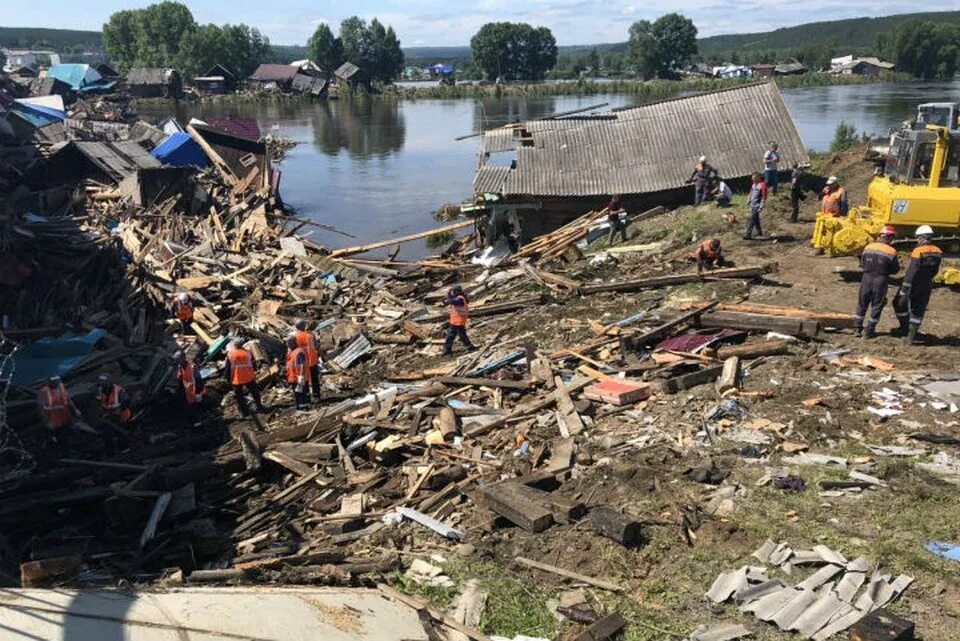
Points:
point(273, 77)
point(349, 75)
point(154, 82)
point(218, 79)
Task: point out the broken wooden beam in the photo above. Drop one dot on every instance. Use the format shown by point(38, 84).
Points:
point(760, 322)
point(483, 382)
point(488, 310)
point(508, 502)
point(45, 572)
point(687, 381)
point(754, 350)
point(603, 629)
point(360, 249)
point(679, 279)
point(729, 375)
point(621, 528)
point(575, 576)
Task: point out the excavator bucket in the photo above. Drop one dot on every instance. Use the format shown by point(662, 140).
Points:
point(845, 236)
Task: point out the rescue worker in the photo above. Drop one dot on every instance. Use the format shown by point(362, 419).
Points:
point(297, 369)
point(192, 385)
point(183, 311)
point(459, 306)
point(55, 405)
point(771, 167)
point(833, 205)
point(757, 200)
point(796, 192)
point(114, 401)
point(308, 341)
point(722, 193)
point(709, 254)
point(878, 262)
point(615, 212)
point(702, 177)
point(911, 300)
point(242, 373)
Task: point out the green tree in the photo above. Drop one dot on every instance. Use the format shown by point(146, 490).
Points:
point(514, 51)
point(325, 49)
point(200, 49)
point(593, 61)
point(244, 49)
point(160, 29)
point(373, 48)
point(658, 48)
point(844, 137)
point(925, 49)
point(120, 39)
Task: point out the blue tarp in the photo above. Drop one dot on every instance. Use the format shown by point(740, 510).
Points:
point(946, 550)
point(50, 356)
point(444, 69)
point(180, 150)
point(78, 76)
point(37, 115)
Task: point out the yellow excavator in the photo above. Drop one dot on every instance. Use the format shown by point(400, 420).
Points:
point(918, 184)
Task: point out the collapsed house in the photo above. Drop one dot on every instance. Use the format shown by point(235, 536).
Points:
point(644, 154)
point(154, 82)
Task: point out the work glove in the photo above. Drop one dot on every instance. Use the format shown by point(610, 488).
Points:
point(301, 380)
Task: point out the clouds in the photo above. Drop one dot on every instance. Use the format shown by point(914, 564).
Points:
point(453, 22)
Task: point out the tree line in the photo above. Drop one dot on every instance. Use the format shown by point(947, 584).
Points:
point(166, 34)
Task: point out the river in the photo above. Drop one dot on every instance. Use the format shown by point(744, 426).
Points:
point(379, 168)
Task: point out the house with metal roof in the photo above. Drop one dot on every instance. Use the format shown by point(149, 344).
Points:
point(645, 154)
point(218, 79)
point(155, 82)
point(273, 77)
point(79, 77)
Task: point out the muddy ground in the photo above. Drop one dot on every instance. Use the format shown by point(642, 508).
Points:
point(667, 578)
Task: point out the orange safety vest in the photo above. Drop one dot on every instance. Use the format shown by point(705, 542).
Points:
point(111, 404)
point(308, 342)
point(295, 370)
point(55, 406)
point(184, 311)
point(241, 367)
point(706, 250)
point(186, 377)
point(830, 204)
point(459, 313)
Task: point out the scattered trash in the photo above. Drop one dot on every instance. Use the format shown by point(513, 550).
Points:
point(790, 483)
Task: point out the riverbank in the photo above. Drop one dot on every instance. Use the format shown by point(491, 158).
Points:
point(645, 89)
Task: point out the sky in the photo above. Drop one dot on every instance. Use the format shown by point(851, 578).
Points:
point(453, 22)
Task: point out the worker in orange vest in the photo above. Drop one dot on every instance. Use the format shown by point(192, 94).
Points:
point(833, 200)
point(709, 254)
point(297, 369)
point(114, 401)
point(459, 306)
point(183, 311)
point(192, 385)
point(56, 407)
point(242, 373)
point(308, 341)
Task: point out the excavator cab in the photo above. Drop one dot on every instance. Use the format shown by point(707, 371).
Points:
point(938, 114)
point(919, 185)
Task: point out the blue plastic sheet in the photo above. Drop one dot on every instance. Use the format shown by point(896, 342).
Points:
point(946, 550)
point(50, 356)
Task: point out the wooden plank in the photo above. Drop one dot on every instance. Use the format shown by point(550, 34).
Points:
point(288, 462)
point(753, 350)
point(678, 279)
point(582, 578)
point(561, 454)
point(758, 322)
point(687, 381)
point(603, 629)
point(421, 606)
point(488, 310)
point(563, 510)
point(483, 382)
point(515, 508)
point(360, 249)
point(566, 412)
point(729, 375)
point(531, 407)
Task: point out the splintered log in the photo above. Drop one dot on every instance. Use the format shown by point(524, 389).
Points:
point(488, 310)
point(687, 381)
point(826, 319)
point(753, 350)
point(34, 574)
point(761, 323)
point(564, 510)
point(516, 508)
point(730, 375)
point(607, 522)
point(603, 629)
point(360, 249)
point(679, 279)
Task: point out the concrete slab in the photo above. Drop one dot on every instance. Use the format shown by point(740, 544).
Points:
point(206, 614)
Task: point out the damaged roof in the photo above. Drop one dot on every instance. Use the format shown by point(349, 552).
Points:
point(643, 149)
point(274, 73)
point(117, 159)
point(149, 75)
point(346, 71)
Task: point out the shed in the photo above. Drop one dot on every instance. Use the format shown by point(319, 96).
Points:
point(241, 155)
point(313, 85)
point(643, 150)
point(51, 87)
point(155, 82)
point(763, 70)
point(864, 67)
point(790, 69)
point(308, 67)
point(271, 76)
point(117, 159)
point(180, 150)
point(348, 74)
point(218, 79)
point(107, 71)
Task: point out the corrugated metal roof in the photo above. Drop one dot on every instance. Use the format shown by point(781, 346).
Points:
point(150, 75)
point(650, 148)
point(274, 73)
point(118, 159)
point(346, 71)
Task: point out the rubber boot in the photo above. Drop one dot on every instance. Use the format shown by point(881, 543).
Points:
point(911, 335)
point(871, 331)
point(902, 329)
point(858, 332)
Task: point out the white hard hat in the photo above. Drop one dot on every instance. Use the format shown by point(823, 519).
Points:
point(233, 345)
point(103, 378)
point(924, 230)
point(184, 297)
point(703, 159)
point(832, 180)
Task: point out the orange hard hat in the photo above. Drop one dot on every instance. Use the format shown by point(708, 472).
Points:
point(888, 230)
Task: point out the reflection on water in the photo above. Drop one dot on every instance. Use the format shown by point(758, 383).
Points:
point(379, 168)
